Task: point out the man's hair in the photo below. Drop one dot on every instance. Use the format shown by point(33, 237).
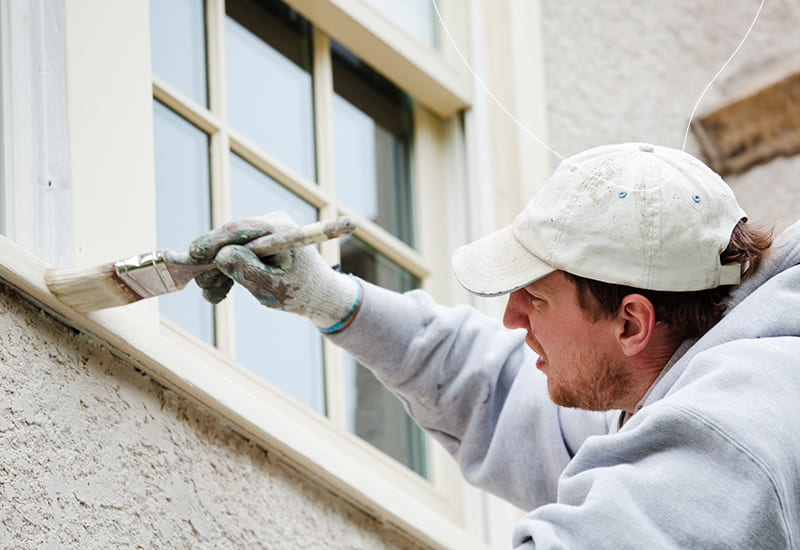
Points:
point(687, 314)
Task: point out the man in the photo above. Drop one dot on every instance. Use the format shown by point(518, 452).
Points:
point(661, 408)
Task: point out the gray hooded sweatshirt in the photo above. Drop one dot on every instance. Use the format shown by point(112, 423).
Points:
point(711, 460)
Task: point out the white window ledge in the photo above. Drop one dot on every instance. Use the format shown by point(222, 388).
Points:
point(337, 459)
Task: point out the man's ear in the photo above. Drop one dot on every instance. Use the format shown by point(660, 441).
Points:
point(637, 323)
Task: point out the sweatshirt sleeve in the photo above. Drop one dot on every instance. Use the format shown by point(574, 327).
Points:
point(473, 386)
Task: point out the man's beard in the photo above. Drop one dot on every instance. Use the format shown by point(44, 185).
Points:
point(605, 391)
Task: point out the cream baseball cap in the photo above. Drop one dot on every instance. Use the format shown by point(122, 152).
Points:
point(633, 214)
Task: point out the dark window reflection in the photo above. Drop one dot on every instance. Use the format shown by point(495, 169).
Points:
point(372, 124)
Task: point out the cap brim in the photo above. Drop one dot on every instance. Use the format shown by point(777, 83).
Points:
point(497, 264)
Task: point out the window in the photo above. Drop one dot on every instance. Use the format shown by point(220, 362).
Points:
point(372, 135)
point(132, 117)
point(254, 135)
point(269, 81)
point(178, 40)
point(296, 365)
point(183, 208)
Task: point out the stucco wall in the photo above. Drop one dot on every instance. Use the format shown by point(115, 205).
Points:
point(632, 70)
point(93, 454)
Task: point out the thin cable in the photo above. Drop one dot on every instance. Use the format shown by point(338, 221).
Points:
point(541, 141)
point(486, 88)
point(724, 66)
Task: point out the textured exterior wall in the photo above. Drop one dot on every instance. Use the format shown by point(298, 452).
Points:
point(95, 455)
point(632, 71)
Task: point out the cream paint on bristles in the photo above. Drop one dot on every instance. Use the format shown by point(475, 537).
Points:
point(86, 289)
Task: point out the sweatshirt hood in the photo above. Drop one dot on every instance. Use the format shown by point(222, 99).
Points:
point(765, 305)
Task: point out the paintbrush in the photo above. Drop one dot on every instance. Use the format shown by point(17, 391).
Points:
point(118, 283)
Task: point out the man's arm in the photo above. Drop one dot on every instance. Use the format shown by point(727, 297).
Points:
point(473, 385)
point(465, 379)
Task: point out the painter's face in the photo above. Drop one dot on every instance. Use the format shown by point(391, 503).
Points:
point(580, 357)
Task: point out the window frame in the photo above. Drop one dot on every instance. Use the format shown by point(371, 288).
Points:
point(321, 194)
point(443, 492)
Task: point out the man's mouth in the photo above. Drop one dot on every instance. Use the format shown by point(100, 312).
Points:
point(534, 345)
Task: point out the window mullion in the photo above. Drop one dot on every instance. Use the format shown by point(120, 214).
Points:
point(215, 27)
point(219, 155)
point(323, 120)
point(323, 111)
point(220, 212)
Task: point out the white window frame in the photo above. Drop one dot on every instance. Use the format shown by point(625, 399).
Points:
point(444, 489)
point(110, 89)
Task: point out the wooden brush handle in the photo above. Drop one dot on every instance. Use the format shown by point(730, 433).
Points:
point(314, 233)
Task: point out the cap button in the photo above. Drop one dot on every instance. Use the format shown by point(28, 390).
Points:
point(646, 147)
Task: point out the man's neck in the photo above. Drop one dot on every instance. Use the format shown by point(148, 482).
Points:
point(649, 365)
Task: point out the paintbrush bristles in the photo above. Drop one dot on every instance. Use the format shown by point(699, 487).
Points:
point(86, 289)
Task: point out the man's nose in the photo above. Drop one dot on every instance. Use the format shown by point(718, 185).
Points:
point(516, 313)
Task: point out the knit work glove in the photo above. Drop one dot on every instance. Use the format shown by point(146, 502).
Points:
point(298, 281)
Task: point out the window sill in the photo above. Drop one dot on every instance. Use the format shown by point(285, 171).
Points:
point(339, 460)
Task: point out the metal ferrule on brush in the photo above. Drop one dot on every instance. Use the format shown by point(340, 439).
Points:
point(146, 274)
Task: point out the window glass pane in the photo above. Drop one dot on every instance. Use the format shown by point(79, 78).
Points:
point(372, 144)
point(268, 64)
point(282, 348)
point(178, 44)
point(373, 413)
point(182, 209)
point(416, 17)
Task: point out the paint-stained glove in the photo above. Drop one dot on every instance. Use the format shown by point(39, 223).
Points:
point(298, 281)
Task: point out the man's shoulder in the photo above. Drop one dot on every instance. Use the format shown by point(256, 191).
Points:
point(746, 393)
